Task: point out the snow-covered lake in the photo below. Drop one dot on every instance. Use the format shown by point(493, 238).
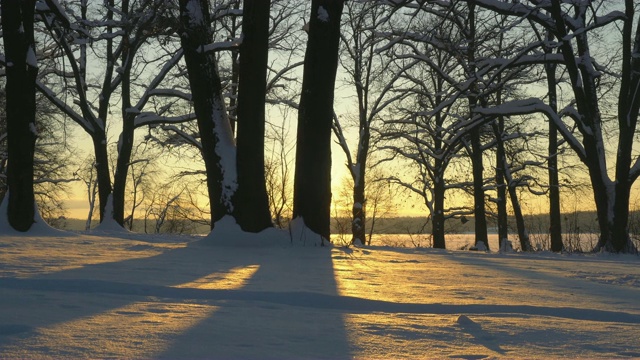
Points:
point(137, 296)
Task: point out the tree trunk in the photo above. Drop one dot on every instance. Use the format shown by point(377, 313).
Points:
point(125, 142)
point(628, 110)
point(358, 224)
point(218, 149)
point(555, 216)
point(523, 235)
point(312, 184)
point(21, 70)
point(478, 190)
point(125, 146)
point(501, 188)
point(437, 217)
point(251, 200)
point(102, 171)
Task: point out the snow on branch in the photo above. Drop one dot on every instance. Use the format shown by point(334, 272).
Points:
point(48, 93)
point(158, 79)
point(222, 45)
point(531, 106)
point(144, 119)
point(190, 139)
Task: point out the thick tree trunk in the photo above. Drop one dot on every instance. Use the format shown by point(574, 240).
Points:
point(218, 149)
point(21, 70)
point(312, 184)
point(251, 201)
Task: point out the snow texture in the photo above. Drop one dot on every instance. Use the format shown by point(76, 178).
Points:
point(39, 228)
point(302, 235)
point(31, 57)
point(255, 296)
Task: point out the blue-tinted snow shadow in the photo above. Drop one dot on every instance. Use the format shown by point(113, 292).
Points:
point(257, 318)
point(78, 293)
point(275, 314)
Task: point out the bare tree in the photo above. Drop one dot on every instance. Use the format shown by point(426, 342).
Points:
point(573, 26)
point(372, 76)
point(87, 174)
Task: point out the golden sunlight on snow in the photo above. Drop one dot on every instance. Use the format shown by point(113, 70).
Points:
point(58, 253)
point(236, 278)
point(143, 328)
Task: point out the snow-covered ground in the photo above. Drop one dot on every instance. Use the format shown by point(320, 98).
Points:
point(121, 295)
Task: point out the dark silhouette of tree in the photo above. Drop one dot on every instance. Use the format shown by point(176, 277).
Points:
point(218, 148)
point(312, 184)
point(251, 203)
point(22, 70)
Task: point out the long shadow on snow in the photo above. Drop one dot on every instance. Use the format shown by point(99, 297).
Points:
point(152, 279)
point(126, 282)
point(345, 304)
point(549, 279)
point(285, 310)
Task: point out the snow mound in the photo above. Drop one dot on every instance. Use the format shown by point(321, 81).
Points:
point(302, 235)
point(39, 227)
point(226, 232)
point(109, 226)
point(464, 320)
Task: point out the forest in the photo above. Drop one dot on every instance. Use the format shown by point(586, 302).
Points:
point(197, 111)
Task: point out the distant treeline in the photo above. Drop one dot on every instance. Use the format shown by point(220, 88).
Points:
point(576, 222)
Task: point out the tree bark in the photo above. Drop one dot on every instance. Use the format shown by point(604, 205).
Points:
point(312, 184)
point(251, 201)
point(125, 142)
point(102, 171)
point(476, 147)
point(21, 70)
point(437, 229)
point(479, 214)
point(218, 149)
point(501, 187)
point(555, 216)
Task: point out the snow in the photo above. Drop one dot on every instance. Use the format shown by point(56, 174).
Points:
point(323, 15)
point(194, 12)
point(39, 227)
point(237, 295)
point(302, 235)
point(31, 57)
point(33, 129)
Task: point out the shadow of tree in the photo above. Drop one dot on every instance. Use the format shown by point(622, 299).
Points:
point(172, 277)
